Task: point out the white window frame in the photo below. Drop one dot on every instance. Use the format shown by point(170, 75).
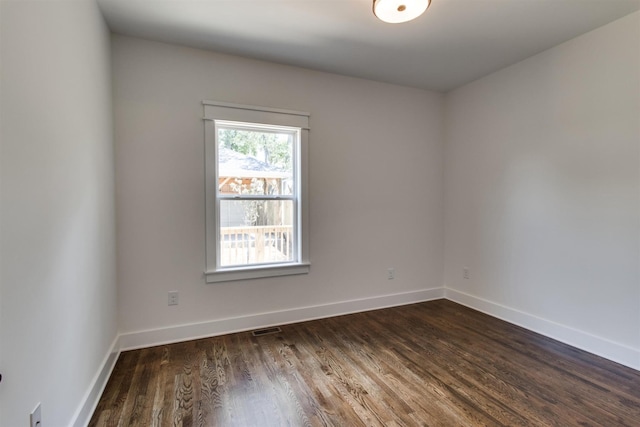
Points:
point(223, 113)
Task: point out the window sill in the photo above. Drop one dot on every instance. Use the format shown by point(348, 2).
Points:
point(247, 273)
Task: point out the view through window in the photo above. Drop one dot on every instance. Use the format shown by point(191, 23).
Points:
point(257, 193)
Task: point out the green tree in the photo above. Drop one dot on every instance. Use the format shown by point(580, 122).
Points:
point(274, 149)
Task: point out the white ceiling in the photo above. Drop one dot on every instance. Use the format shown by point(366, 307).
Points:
point(453, 43)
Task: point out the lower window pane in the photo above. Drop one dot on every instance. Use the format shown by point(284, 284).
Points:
point(256, 232)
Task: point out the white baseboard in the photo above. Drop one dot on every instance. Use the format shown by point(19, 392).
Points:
point(148, 338)
point(614, 351)
point(91, 398)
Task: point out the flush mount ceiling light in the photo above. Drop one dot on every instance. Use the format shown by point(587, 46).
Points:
point(396, 11)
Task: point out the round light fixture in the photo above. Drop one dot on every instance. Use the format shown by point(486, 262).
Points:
point(396, 11)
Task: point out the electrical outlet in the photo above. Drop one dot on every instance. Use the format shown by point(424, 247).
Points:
point(391, 273)
point(465, 272)
point(35, 418)
point(173, 298)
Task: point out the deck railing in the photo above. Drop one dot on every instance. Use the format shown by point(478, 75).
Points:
point(255, 245)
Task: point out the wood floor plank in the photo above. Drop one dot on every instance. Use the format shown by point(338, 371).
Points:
point(430, 364)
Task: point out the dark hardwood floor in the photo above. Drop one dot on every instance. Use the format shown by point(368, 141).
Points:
point(429, 364)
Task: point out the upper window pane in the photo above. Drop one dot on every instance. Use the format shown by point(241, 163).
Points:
point(255, 162)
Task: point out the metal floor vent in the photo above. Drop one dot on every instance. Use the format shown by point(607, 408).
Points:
point(266, 331)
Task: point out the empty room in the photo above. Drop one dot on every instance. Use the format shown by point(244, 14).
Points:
point(319, 213)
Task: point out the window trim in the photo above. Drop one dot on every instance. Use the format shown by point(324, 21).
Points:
point(227, 112)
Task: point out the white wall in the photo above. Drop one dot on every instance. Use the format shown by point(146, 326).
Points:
point(57, 231)
point(375, 185)
point(542, 190)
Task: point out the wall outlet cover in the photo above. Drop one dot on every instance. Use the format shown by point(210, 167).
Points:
point(173, 298)
point(35, 418)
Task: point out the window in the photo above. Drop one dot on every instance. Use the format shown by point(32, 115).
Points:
point(256, 204)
